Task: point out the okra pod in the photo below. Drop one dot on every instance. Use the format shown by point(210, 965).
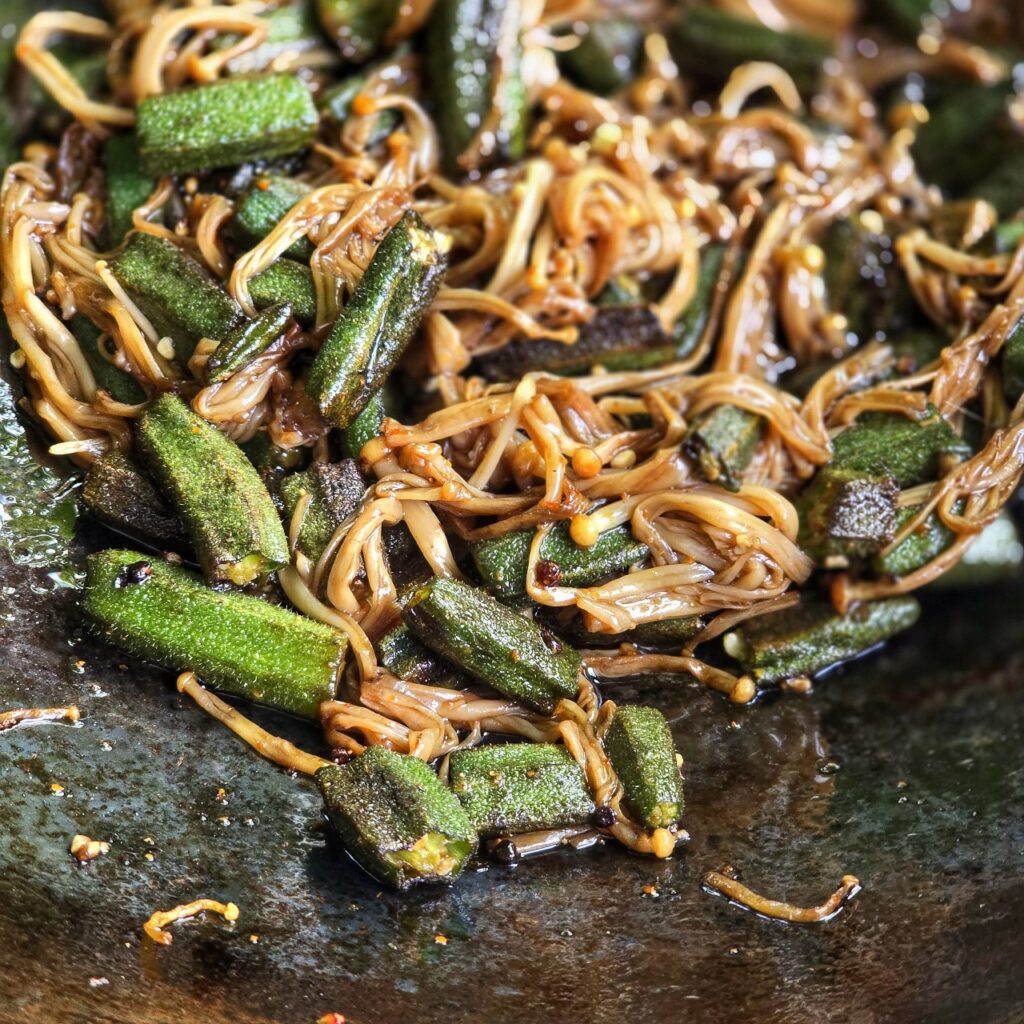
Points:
point(175, 291)
point(239, 644)
point(263, 204)
point(722, 442)
point(502, 561)
point(286, 281)
point(357, 27)
point(216, 491)
point(473, 66)
point(247, 341)
point(364, 427)
point(404, 655)
point(641, 750)
point(665, 634)
point(337, 103)
point(121, 386)
point(223, 123)
point(121, 496)
point(690, 326)
point(519, 787)
point(812, 636)
point(292, 30)
point(1003, 186)
point(910, 451)
point(127, 187)
point(378, 322)
point(847, 514)
point(918, 549)
point(493, 644)
point(965, 137)
point(396, 818)
point(1013, 363)
point(608, 56)
point(862, 278)
point(709, 42)
point(334, 489)
point(617, 338)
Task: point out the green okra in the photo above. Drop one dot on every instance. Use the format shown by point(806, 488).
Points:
point(357, 27)
point(121, 496)
point(239, 644)
point(1003, 186)
point(1013, 363)
point(292, 30)
point(493, 644)
point(263, 204)
point(223, 123)
point(912, 451)
point(247, 341)
point(364, 427)
point(502, 561)
point(396, 818)
point(710, 43)
point(863, 280)
point(663, 635)
point(849, 509)
point(722, 442)
point(120, 385)
point(127, 187)
point(337, 103)
point(519, 787)
point(230, 517)
point(693, 321)
point(175, 292)
point(916, 550)
point(404, 655)
point(335, 490)
point(967, 134)
point(642, 753)
point(608, 56)
point(473, 67)
point(378, 322)
point(847, 514)
point(286, 281)
point(812, 636)
point(616, 337)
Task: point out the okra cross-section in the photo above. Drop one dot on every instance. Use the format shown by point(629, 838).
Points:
point(217, 492)
point(813, 636)
point(236, 643)
point(396, 818)
point(492, 643)
point(639, 745)
point(224, 123)
point(520, 787)
point(379, 320)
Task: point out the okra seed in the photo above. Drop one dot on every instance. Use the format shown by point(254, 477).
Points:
point(603, 817)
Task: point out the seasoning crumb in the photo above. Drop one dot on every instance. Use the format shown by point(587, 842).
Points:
point(254, 938)
point(222, 795)
point(650, 890)
point(98, 982)
point(84, 849)
point(441, 940)
point(57, 789)
point(159, 919)
point(331, 1018)
point(148, 855)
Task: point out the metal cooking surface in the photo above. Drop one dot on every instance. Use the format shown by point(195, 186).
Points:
point(903, 769)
